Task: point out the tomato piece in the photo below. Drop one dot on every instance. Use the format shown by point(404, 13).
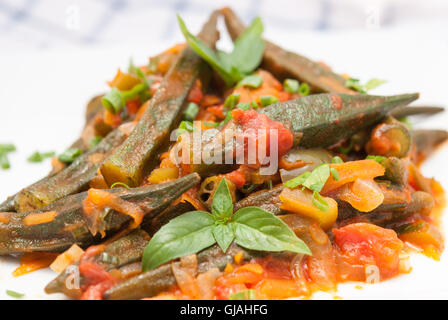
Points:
point(195, 94)
point(256, 128)
point(364, 244)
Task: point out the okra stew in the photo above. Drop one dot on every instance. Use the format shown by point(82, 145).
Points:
point(251, 174)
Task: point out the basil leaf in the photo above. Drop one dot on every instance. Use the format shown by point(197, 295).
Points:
point(249, 48)
point(207, 54)
point(378, 159)
point(248, 294)
point(191, 111)
point(252, 81)
point(39, 157)
point(183, 235)
point(297, 181)
point(320, 203)
point(14, 294)
point(222, 203)
point(257, 229)
point(70, 155)
point(268, 100)
point(291, 85)
point(224, 235)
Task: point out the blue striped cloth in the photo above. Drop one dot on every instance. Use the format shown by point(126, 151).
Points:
point(40, 24)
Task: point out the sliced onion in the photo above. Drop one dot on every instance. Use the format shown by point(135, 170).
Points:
point(313, 158)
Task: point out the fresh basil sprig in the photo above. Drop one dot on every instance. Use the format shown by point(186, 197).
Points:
point(232, 67)
point(250, 227)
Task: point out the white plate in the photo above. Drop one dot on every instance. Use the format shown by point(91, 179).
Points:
point(43, 95)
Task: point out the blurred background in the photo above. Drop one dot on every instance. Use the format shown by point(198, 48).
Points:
point(46, 24)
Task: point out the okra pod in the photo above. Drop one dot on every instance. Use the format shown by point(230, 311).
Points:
point(137, 155)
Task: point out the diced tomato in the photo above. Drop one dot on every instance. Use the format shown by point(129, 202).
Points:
point(195, 94)
point(367, 244)
point(97, 280)
point(133, 105)
point(256, 126)
point(218, 111)
point(237, 177)
point(223, 288)
point(95, 292)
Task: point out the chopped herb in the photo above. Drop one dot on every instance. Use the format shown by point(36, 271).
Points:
point(191, 111)
point(211, 124)
point(185, 126)
point(4, 162)
point(334, 173)
point(254, 104)
point(405, 120)
point(243, 106)
point(248, 188)
point(227, 118)
point(231, 101)
point(70, 155)
point(409, 227)
point(14, 294)
point(94, 142)
point(269, 183)
point(253, 81)
point(291, 85)
point(132, 69)
point(120, 184)
point(115, 100)
point(268, 100)
point(39, 157)
point(337, 159)
point(304, 89)
point(248, 294)
point(4, 150)
point(348, 148)
point(314, 181)
point(371, 84)
point(378, 159)
point(320, 203)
